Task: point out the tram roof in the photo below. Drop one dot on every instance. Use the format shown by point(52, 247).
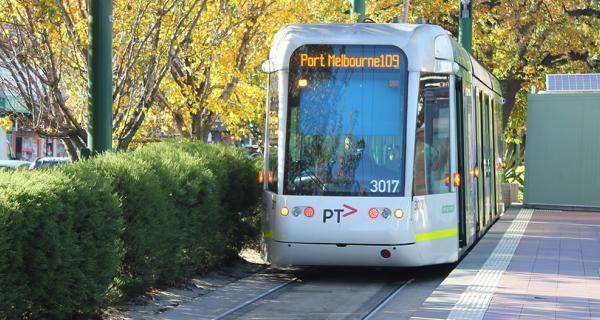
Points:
point(416, 40)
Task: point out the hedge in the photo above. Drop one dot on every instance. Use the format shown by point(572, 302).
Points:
point(77, 237)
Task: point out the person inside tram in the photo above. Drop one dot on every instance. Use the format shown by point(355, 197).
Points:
point(349, 159)
point(367, 168)
point(439, 168)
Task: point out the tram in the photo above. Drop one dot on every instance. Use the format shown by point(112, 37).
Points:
point(383, 146)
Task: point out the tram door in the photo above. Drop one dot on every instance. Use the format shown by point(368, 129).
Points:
point(477, 172)
point(497, 154)
point(466, 146)
point(493, 158)
point(487, 157)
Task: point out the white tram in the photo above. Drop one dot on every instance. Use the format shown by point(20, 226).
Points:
point(383, 146)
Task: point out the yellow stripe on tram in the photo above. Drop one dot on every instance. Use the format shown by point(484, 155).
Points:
point(433, 235)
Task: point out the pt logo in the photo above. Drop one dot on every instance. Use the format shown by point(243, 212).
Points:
point(330, 213)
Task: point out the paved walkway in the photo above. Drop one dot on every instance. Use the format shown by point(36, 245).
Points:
point(530, 265)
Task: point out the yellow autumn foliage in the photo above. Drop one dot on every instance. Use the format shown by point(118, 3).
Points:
point(181, 67)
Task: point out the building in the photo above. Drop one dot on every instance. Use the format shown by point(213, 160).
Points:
point(17, 140)
point(562, 153)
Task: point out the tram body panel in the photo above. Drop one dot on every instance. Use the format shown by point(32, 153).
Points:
point(399, 35)
point(340, 220)
point(411, 113)
point(425, 235)
point(435, 225)
point(281, 253)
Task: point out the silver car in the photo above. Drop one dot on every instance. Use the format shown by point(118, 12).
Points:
point(45, 162)
point(14, 164)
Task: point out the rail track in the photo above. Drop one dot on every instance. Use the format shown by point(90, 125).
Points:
point(323, 293)
point(333, 293)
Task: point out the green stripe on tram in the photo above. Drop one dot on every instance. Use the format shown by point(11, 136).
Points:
point(433, 235)
point(269, 234)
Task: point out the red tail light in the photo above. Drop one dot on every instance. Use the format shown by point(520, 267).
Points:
point(309, 212)
point(373, 213)
point(385, 253)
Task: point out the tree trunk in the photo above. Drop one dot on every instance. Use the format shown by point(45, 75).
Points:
point(71, 149)
point(201, 127)
point(511, 87)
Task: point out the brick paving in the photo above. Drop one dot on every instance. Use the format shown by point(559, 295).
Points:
point(555, 271)
point(553, 274)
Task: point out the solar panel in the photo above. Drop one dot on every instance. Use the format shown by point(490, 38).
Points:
point(573, 82)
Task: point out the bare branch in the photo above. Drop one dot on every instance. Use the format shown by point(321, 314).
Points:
point(585, 12)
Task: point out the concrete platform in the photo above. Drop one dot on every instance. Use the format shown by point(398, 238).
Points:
point(532, 264)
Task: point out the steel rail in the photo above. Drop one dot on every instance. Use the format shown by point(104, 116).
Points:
point(383, 303)
point(260, 296)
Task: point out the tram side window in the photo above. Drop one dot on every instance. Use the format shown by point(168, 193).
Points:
point(432, 148)
point(273, 131)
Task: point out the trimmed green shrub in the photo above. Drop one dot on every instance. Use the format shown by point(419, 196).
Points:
point(59, 243)
point(237, 187)
point(149, 233)
point(79, 236)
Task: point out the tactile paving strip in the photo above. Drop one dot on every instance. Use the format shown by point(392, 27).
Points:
point(474, 301)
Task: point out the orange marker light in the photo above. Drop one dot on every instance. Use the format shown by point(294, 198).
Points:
point(447, 180)
point(302, 83)
point(504, 165)
point(261, 177)
point(373, 213)
point(476, 171)
point(270, 177)
point(456, 180)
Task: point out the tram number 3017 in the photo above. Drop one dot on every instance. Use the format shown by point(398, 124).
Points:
point(389, 186)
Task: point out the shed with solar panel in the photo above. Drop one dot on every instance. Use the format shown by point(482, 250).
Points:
point(562, 161)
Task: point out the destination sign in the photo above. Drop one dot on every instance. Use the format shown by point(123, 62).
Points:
point(344, 61)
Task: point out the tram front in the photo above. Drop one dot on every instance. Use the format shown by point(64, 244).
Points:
point(337, 192)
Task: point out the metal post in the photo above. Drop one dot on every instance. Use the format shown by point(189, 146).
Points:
point(100, 76)
point(465, 24)
point(405, 11)
point(358, 6)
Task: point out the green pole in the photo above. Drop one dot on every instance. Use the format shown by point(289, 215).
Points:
point(465, 25)
point(100, 76)
point(358, 6)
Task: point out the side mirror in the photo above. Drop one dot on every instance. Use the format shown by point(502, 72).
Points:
point(268, 66)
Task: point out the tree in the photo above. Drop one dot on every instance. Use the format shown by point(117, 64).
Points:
point(182, 66)
point(36, 54)
point(145, 49)
point(217, 78)
point(179, 65)
point(519, 41)
point(522, 41)
point(43, 45)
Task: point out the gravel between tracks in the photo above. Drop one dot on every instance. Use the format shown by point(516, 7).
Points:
point(155, 302)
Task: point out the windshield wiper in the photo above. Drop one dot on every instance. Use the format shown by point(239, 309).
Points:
point(301, 166)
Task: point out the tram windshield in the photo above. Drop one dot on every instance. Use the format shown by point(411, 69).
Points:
point(346, 121)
